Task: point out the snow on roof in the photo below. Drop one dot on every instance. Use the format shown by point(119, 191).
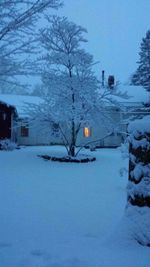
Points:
point(137, 94)
point(19, 101)
point(128, 95)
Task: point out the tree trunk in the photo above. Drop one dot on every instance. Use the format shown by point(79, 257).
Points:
point(73, 134)
point(73, 140)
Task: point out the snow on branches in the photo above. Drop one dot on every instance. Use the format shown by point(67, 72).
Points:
point(18, 35)
point(138, 189)
point(142, 74)
point(71, 91)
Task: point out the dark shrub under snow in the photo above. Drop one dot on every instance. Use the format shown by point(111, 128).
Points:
point(6, 144)
point(138, 188)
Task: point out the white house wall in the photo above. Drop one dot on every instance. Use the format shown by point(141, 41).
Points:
point(100, 128)
point(36, 136)
point(98, 137)
point(39, 135)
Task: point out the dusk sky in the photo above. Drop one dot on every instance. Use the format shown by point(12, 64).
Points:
point(115, 30)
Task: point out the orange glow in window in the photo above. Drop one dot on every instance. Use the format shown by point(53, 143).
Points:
point(87, 132)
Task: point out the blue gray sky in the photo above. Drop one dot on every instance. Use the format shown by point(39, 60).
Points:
point(115, 30)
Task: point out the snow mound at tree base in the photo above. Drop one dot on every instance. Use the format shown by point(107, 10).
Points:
point(79, 159)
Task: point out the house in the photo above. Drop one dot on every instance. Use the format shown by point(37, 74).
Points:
point(8, 116)
point(127, 108)
point(27, 133)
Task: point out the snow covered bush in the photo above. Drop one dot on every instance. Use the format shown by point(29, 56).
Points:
point(7, 144)
point(138, 208)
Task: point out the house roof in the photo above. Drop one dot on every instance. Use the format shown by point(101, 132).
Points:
point(19, 102)
point(8, 107)
point(136, 94)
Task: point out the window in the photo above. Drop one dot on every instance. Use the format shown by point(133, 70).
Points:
point(55, 128)
point(24, 130)
point(87, 132)
point(4, 116)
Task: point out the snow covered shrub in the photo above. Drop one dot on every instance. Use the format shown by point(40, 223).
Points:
point(7, 144)
point(124, 149)
point(138, 189)
point(139, 224)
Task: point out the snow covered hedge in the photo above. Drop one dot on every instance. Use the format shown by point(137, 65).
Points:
point(6, 144)
point(138, 189)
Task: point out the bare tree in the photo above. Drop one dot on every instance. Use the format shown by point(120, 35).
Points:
point(72, 96)
point(17, 34)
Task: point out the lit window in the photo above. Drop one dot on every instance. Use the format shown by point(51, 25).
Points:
point(87, 132)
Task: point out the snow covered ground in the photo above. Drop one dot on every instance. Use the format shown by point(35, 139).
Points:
point(65, 215)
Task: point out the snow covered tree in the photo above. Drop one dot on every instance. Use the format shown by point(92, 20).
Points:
point(138, 209)
point(72, 96)
point(17, 35)
point(142, 74)
point(69, 78)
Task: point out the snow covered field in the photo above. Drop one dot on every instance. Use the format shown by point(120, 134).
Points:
point(65, 215)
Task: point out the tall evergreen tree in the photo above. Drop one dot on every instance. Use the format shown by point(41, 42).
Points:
point(142, 74)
